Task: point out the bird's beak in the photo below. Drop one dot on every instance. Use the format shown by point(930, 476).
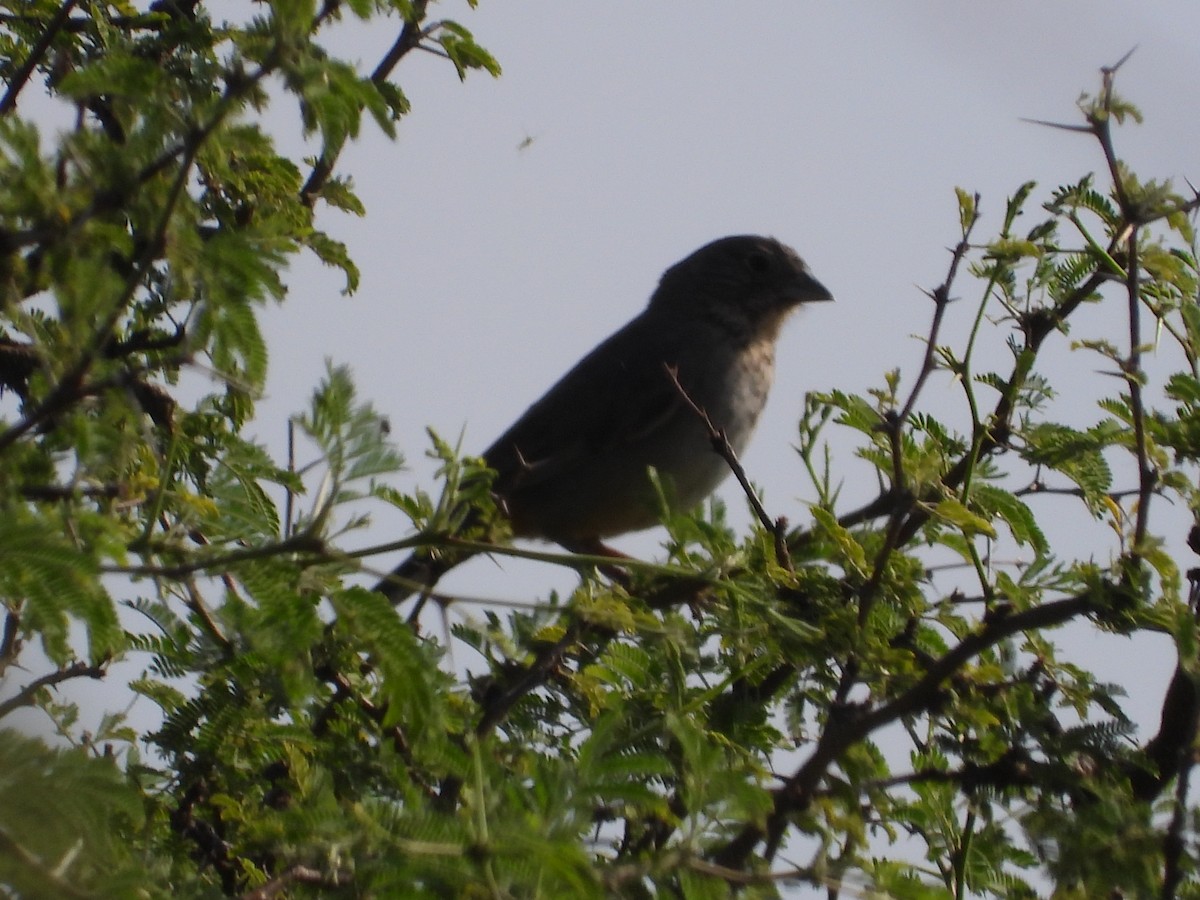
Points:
point(809, 290)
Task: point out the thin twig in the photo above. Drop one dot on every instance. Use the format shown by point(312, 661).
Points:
point(10, 642)
point(302, 543)
point(66, 390)
point(1101, 125)
point(618, 876)
point(1037, 329)
point(1174, 844)
point(140, 22)
point(298, 874)
point(895, 422)
point(113, 199)
point(548, 658)
point(1147, 475)
point(1037, 488)
point(720, 444)
point(195, 602)
point(28, 694)
point(49, 880)
point(290, 496)
point(941, 299)
point(53, 493)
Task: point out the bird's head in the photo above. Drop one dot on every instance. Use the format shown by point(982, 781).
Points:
point(746, 283)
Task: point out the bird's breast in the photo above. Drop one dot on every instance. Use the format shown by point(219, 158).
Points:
point(733, 395)
point(735, 405)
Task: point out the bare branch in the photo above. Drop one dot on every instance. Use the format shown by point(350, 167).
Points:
point(301, 543)
point(10, 643)
point(28, 694)
point(298, 874)
point(51, 880)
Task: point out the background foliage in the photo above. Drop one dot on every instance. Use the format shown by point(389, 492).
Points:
point(873, 701)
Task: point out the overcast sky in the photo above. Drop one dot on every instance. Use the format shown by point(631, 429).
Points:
point(518, 221)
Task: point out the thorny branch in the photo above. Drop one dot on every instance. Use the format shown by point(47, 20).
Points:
point(28, 694)
point(850, 724)
point(1132, 367)
point(895, 423)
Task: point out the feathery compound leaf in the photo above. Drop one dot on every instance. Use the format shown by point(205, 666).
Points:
point(351, 436)
point(856, 412)
point(334, 253)
point(1082, 195)
point(462, 50)
point(243, 510)
point(52, 581)
point(64, 817)
point(994, 501)
point(410, 683)
point(1076, 454)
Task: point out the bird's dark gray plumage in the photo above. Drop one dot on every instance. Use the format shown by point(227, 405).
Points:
point(573, 468)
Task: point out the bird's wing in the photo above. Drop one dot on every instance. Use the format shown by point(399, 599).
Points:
point(615, 395)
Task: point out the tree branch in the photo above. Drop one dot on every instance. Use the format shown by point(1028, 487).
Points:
point(9, 101)
point(410, 37)
point(28, 694)
point(721, 446)
point(50, 880)
point(848, 725)
point(299, 874)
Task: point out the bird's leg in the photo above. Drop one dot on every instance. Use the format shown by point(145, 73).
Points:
point(596, 547)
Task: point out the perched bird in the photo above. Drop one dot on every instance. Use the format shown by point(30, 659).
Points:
point(573, 468)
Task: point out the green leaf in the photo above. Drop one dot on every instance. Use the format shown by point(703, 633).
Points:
point(1015, 205)
point(1076, 454)
point(994, 501)
point(66, 819)
point(462, 50)
point(334, 253)
point(851, 553)
point(954, 512)
point(51, 581)
point(966, 208)
point(411, 682)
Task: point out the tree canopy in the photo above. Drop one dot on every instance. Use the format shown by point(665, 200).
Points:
point(863, 700)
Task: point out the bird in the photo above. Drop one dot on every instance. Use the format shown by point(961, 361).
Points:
point(574, 467)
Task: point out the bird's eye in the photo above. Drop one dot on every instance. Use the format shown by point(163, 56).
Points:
point(758, 262)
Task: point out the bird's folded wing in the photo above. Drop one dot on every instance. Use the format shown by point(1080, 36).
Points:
point(618, 394)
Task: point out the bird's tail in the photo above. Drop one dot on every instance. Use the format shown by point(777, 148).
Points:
point(421, 571)
point(416, 575)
